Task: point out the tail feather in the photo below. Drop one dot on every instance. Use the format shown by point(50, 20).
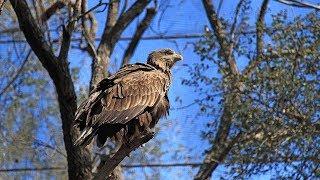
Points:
point(86, 137)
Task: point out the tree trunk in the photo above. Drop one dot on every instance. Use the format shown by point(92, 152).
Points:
point(79, 159)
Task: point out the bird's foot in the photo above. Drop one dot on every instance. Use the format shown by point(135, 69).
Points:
point(149, 131)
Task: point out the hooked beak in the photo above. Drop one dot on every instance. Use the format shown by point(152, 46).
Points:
point(177, 57)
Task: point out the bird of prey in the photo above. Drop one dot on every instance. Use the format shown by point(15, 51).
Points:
point(134, 96)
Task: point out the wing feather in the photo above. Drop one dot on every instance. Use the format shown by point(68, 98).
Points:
point(130, 96)
point(127, 94)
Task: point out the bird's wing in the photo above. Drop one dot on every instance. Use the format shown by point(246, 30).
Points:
point(84, 111)
point(120, 98)
point(123, 96)
point(130, 96)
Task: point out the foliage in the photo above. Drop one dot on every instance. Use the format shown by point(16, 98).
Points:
point(279, 100)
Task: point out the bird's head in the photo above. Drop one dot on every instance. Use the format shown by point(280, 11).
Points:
point(163, 58)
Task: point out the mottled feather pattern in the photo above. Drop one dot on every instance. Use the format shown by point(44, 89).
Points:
point(127, 98)
point(136, 96)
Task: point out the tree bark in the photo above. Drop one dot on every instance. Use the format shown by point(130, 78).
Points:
point(79, 159)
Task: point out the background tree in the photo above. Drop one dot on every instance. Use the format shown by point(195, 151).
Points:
point(268, 117)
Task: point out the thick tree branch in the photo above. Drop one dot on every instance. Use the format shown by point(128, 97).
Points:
point(101, 56)
point(52, 10)
point(111, 35)
point(111, 163)
point(144, 24)
point(220, 34)
point(260, 26)
point(212, 159)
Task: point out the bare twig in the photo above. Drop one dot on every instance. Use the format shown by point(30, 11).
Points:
point(16, 74)
point(93, 8)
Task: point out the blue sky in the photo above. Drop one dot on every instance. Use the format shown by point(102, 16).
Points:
point(187, 17)
point(181, 18)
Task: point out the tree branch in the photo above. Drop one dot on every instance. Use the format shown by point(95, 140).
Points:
point(220, 145)
point(260, 26)
point(144, 24)
point(111, 35)
point(124, 20)
point(212, 159)
point(92, 9)
point(101, 56)
point(52, 10)
point(300, 4)
point(89, 32)
point(220, 34)
point(233, 26)
point(67, 33)
point(35, 37)
point(111, 163)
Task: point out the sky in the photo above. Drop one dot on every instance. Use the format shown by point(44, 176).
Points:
point(181, 17)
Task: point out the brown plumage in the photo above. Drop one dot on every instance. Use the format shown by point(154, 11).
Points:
point(136, 96)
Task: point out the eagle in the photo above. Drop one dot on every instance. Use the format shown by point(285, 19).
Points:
point(135, 97)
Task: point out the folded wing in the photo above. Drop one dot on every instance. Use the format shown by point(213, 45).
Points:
point(119, 99)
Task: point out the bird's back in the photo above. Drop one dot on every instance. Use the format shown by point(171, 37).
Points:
point(120, 98)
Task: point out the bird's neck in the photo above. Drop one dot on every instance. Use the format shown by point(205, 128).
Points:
point(164, 69)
